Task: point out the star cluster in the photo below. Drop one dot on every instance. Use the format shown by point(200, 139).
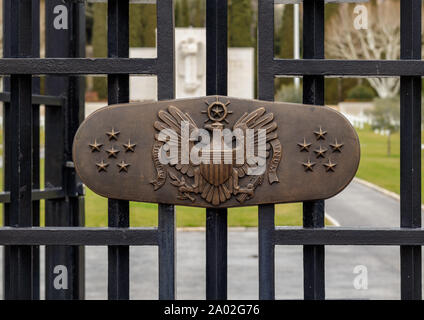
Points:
point(113, 153)
point(319, 151)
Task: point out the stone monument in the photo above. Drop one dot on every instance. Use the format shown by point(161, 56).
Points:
point(190, 68)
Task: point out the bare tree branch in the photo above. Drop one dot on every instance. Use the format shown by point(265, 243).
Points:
point(381, 41)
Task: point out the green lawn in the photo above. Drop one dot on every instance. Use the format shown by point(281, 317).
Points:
point(145, 214)
point(376, 166)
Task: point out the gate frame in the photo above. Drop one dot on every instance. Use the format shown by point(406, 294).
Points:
point(22, 235)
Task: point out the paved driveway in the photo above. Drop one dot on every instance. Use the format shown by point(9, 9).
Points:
point(356, 206)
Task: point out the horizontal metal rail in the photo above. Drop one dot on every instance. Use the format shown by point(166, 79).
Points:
point(37, 99)
point(37, 194)
point(79, 236)
point(348, 68)
point(148, 66)
point(349, 236)
point(73, 66)
point(149, 236)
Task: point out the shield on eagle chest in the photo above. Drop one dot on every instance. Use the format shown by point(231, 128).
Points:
point(216, 173)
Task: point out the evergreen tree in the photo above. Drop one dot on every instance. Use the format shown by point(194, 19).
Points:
point(184, 14)
point(240, 20)
point(142, 34)
point(148, 34)
point(285, 34)
point(284, 42)
point(198, 13)
point(142, 25)
point(177, 14)
point(99, 41)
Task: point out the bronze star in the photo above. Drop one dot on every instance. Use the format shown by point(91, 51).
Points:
point(112, 152)
point(95, 146)
point(217, 111)
point(113, 134)
point(320, 134)
point(337, 146)
point(329, 166)
point(129, 146)
point(102, 166)
point(123, 166)
point(304, 146)
point(321, 152)
point(309, 165)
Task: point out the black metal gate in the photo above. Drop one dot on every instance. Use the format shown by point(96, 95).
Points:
point(64, 66)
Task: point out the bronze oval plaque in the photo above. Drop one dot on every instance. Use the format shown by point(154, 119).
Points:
point(216, 151)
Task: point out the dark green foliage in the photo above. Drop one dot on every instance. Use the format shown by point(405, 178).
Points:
point(100, 30)
point(142, 25)
point(330, 10)
point(198, 13)
point(142, 34)
point(89, 22)
point(284, 40)
point(177, 13)
point(182, 14)
point(284, 36)
point(240, 22)
point(361, 93)
point(99, 40)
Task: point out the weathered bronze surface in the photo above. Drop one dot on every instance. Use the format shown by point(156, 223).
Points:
point(311, 153)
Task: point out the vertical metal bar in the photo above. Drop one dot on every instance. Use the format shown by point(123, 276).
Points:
point(60, 127)
point(166, 90)
point(118, 92)
point(35, 124)
point(266, 213)
point(266, 228)
point(18, 269)
point(118, 256)
point(216, 83)
point(313, 93)
point(167, 252)
point(7, 53)
point(7, 139)
point(36, 146)
point(216, 254)
point(410, 181)
point(217, 45)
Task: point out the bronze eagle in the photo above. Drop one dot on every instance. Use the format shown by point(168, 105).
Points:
point(216, 182)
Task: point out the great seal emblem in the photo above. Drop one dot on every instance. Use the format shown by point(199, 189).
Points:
point(217, 181)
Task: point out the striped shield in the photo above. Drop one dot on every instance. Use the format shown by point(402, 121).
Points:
point(216, 173)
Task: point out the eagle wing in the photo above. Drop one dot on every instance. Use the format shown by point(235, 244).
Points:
point(256, 120)
point(172, 119)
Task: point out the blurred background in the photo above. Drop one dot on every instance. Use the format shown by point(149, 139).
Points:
point(361, 30)
point(371, 104)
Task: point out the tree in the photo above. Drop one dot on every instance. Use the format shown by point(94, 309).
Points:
point(284, 39)
point(177, 13)
point(99, 40)
point(198, 13)
point(142, 34)
point(143, 25)
point(380, 41)
point(385, 116)
point(182, 20)
point(240, 20)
